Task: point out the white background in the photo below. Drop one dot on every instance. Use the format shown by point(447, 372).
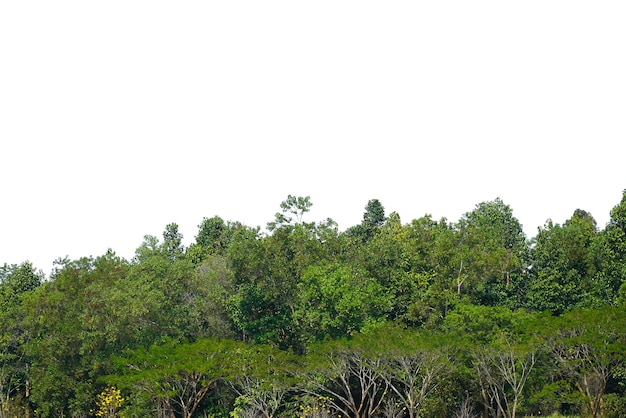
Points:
point(119, 117)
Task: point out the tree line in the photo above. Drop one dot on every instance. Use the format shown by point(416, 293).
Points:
point(429, 318)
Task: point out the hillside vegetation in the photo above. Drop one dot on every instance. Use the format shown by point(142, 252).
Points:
point(429, 318)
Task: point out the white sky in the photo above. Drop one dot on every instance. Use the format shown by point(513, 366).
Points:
point(118, 117)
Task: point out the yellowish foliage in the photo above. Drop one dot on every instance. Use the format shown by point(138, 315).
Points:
point(109, 402)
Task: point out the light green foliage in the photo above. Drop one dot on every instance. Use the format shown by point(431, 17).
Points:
point(296, 206)
point(485, 324)
point(336, 300)
point(176, 377)
point(586, 349)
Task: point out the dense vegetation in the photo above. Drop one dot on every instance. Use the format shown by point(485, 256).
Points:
point(424, 319)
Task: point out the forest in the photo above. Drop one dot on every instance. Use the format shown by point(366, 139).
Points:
point(429, 318)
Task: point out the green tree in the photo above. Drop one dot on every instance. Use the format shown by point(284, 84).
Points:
point(294, 205)
point(492, 252)
point(609, 253)
point(561, 274)
point(373, 218)
point(336, 300)
point(433, 251)
point(587, 352)
point(503, 373)
point(264, 289)
point(397, 258)
point(173, 241)
point(350, 382)
point(60, 371)
point(267, 270)
point(16, 282)
point(208, 297)
point(212, 234)
point(92, 309)
point(374, 215)
point(174, 379)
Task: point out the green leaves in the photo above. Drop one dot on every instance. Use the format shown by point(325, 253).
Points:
point(492, 252)
point(337, 300)
point(427, 316)
point(296, 206)
point(562, 265)
point(178, 376)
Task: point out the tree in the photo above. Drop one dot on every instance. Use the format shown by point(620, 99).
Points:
point(60, 372)
point(173, 379)
point(16, 282)
point(351, 383)
point(373, 218)
point(374, 215)
point(213, 237)
point(609, 253)
point(398, 257)
point(267, 270)
point(265, 276)
point(503, 373)
point(109, 402)
point(562, 269)
point(337, 300)
point(296, 206)
point(412, 376)
point(207, 297)
point(492, 252)
point(586, 347)
point(172, 241)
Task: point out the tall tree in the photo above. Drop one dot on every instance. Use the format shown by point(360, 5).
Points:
point(373, 218)
point(295, 206)
point(60, 371)
point(16, 282)
point(352, 384)
point(503, 373)
point(173, 240)
point(609, 254)
point(492, 249)
point(173, 379)
point(587, 350)
point(374, 215)
point(562, 265)
point(213, 237)
point(336, 300)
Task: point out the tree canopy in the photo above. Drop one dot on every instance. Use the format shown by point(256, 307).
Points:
point(428, 318)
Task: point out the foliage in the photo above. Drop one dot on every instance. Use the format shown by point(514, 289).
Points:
point(109, 402)
point(428, 318)
point(336, 301)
